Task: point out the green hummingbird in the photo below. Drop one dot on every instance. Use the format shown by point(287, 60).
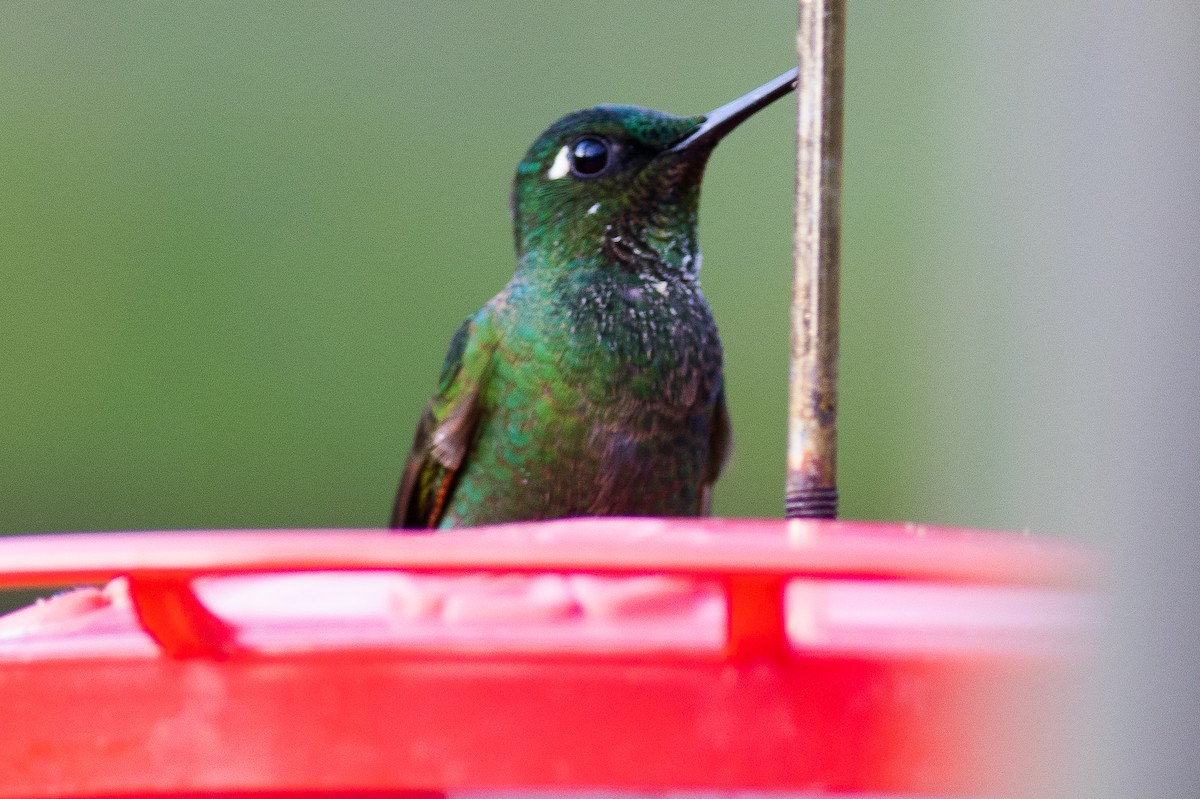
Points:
point(591, 385)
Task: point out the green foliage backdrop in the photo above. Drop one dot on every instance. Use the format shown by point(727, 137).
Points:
point(236, 237)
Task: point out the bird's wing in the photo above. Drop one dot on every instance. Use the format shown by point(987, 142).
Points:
point(720, 445)
point(446, 428)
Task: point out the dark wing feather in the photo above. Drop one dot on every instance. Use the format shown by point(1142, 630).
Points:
point(413, 506)
point(444, 433)
point(720, 445)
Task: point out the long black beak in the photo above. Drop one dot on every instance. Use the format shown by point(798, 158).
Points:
point(719, 122)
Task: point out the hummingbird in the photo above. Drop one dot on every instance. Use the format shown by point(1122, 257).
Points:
point(592, 384)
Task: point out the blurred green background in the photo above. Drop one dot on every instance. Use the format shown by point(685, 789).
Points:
point(235, 239)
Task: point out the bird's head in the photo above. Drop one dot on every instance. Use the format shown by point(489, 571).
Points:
point(620, 185)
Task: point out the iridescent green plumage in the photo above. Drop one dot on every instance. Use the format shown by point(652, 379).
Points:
point(592, 384)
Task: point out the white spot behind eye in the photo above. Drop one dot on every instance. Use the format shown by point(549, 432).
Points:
point(595, 207)
point(560, 167)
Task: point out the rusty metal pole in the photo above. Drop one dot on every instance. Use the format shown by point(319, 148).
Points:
point(812, 401)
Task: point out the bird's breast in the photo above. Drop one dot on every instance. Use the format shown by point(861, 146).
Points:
point(638, 340)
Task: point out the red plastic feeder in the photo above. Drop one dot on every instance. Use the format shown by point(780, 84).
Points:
point(591, 654)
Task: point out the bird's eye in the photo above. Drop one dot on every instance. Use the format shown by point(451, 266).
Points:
point(589, 156)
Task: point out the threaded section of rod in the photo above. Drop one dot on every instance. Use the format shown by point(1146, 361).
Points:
point(812, 503)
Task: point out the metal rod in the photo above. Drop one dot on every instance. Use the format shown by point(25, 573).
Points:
point(812, 401)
